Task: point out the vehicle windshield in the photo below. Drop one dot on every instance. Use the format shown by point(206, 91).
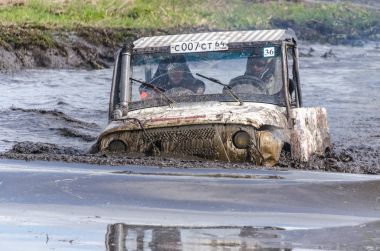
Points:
point(254, 75)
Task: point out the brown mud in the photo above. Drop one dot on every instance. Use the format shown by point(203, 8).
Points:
point(73, 133)
point(350, 160)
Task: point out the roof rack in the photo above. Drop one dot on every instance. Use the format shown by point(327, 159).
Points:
point(231, 37)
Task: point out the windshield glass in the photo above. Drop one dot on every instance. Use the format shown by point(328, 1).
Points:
point(254, 75)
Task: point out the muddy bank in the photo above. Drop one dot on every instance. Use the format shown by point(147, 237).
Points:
point(38, 47)
point(349, 160)
point(94, 48)
point(80, 48)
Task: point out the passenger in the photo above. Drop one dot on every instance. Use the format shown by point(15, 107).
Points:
point(175, 75)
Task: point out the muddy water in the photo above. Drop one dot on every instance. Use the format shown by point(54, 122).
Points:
point(347, 82)
point(69, 108)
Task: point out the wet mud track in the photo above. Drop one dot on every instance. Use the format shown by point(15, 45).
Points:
point(45, 205)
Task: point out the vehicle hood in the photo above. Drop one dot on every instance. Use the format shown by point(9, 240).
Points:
point(254, 114)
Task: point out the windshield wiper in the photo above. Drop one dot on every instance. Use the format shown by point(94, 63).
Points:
point(155, 88)
point(228, 88)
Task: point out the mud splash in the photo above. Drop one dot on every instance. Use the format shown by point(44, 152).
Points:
point(362, 160)
point(30, 148)
point(67, 132)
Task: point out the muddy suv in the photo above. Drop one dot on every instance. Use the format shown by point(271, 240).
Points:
point(230, 96)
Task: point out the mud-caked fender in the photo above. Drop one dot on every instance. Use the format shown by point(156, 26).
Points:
point(310, 132)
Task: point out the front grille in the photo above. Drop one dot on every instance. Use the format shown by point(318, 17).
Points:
point(185, 141)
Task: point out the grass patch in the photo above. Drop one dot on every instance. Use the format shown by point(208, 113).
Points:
point(221, 14)
point(327, 18)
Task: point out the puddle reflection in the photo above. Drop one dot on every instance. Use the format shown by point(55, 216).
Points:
point(122, 237)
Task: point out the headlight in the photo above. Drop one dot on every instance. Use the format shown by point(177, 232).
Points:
point(270, 147)
point(241, 139)
point(117, 146)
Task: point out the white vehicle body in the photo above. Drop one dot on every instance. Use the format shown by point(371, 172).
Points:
point(219, 125)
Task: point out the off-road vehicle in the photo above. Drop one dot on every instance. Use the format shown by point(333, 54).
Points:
point(198, 96)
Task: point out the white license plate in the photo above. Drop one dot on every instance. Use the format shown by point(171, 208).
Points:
point(198, 46)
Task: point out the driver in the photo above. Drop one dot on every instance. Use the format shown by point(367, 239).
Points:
point(259, 75)
point(175, 75)
point(261, 68)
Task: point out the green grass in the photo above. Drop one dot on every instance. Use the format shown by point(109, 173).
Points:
point(153, 14)
point(16, 37)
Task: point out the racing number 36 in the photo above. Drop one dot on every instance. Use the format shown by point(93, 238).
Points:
point(268, 52)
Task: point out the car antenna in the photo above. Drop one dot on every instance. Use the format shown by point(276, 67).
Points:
point(155, 88)
point(229, 88)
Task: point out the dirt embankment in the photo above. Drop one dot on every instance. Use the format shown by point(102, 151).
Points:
point(94, 48)
point(35, 47)
point(85, 48)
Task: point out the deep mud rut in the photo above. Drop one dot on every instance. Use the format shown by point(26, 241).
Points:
point(350, 160)
point(56, 115)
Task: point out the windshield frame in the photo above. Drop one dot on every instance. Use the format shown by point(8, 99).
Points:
point(271, 99)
